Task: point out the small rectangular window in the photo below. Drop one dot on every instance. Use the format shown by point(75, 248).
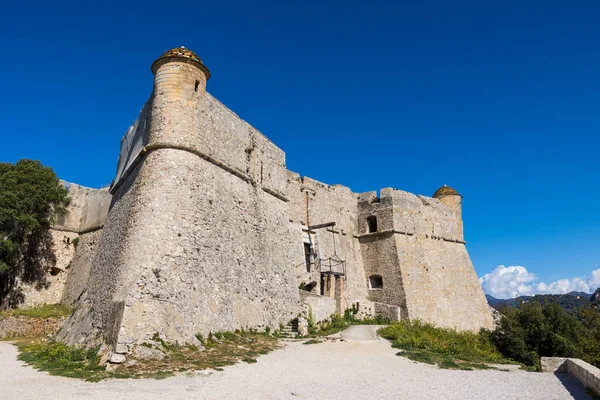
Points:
point(196, 87)
point(307, 256)
point(371, 224)
point(375, 282)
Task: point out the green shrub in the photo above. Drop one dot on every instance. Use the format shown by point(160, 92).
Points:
point(337, 321)
point(60, 359)
point(531, 331)
point(312, 341)
point(312, 327)
point(421, 337)
point(349, 315)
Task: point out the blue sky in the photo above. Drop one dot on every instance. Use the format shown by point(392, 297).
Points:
point(497, 99)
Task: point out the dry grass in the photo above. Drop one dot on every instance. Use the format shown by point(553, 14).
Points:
point(58, 359)
point(44, 311)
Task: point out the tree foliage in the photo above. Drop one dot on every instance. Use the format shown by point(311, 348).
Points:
point(31, 197)
point(533, 330)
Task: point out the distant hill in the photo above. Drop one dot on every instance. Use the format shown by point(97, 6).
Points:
point(569, 301)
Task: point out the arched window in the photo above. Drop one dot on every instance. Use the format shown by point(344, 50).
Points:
point(371, 224)
point(375, 282)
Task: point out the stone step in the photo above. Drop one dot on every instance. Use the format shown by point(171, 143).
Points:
point(288, 335)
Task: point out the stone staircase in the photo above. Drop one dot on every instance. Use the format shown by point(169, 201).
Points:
point(290, 331)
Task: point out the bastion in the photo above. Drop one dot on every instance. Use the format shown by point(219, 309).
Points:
point(204, 229)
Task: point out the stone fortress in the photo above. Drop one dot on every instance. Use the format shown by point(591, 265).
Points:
point(204, 229)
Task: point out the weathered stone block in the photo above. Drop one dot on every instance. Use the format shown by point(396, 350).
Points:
point(117, 358)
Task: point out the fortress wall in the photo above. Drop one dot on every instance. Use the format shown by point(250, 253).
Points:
point(71, 221)
point(95, 210)
point(321, 307)
point(438, 279)
point(380, 257)
point(49, 288)
point(440, 283)
point(88, 209)
point(419, 214)
point(267, 163)
point(81, 265)
point(216, 253)
point(97, 317)
point(379, 251)
point(299, 231)
point(425, 267)
point(218, 135)
point(329, 203)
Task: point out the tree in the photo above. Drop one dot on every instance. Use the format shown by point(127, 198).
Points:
point(596, 298)
point(31, 197)
point(531, 331)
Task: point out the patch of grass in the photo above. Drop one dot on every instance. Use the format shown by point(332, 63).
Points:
point(44, 311)
point(441, 360)
point(350, 318)
point(444, 347)
point(335, 324)
point(225, 335)
point(59, 359)
point(312, 341)
point(376, 320)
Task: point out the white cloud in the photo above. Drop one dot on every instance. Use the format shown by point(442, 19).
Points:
point(507, 282)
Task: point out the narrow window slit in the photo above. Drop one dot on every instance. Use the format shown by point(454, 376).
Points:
point(371, 224)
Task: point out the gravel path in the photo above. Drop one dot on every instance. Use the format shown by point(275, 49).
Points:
point(364, 368)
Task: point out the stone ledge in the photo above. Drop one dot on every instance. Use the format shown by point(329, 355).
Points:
point(586, 374)
point(149, 148)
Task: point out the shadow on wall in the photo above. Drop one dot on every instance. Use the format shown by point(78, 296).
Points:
point(575, 388)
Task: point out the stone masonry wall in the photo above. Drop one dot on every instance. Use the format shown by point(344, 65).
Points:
point(50, 288)
point(216, 258)
point(87, 210)
point(97, 317)
point(419, 252)
point(312, 203)
point(80, 267)
point(320, 307)
point(86, 213)
point(206, 232)
point(197, 122)
point(441, 285)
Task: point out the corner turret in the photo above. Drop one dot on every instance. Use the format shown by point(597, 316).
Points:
point(452, 199)
point(179, 72)
point(179, 91)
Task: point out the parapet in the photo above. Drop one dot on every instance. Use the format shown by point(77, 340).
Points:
point(87, 211)
point(403, 212)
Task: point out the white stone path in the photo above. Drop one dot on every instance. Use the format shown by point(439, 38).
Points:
point(362, 367)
